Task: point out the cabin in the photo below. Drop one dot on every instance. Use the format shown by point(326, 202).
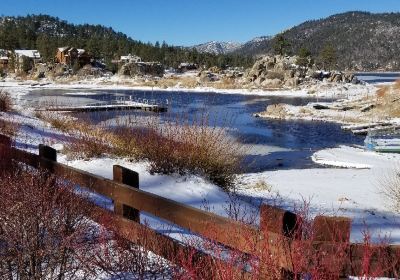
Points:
point(185, 66)
point(70, 56)
point(84, 57)
point(4, 59)
point(130, 59)
point(25, 60)
point(67, 55)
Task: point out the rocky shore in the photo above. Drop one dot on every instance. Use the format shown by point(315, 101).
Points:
point(376, 105)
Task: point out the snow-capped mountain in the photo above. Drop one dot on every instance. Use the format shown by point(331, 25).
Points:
point(250, 47)
point(218, 47)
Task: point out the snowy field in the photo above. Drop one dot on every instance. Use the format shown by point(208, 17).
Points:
point(350, 185)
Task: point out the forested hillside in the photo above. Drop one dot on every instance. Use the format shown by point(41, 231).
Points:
point(362, 41)
point(47, 33)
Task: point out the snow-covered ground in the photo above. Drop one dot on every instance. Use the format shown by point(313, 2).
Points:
point(353, 191)
point(351, 187)
point(322, 91)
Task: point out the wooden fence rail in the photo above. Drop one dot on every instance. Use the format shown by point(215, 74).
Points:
point(278, 228)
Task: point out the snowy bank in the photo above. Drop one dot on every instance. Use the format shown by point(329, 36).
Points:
point(323, 91)
point(354, 193)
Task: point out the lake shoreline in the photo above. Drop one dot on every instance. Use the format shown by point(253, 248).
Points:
point(323, 90)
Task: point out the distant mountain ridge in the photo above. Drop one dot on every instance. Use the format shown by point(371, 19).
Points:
point(215, 47)
point(363, 41)
point(46, 34)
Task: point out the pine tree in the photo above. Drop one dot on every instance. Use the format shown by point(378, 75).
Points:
point(328, 57)
point(281, 45)
point(304, 59)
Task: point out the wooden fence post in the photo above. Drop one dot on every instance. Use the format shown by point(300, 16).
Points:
point(279, 221)
point(5, 152)
point(287, 225)
point(47, 153)
point(5, 140)
point(131, 178)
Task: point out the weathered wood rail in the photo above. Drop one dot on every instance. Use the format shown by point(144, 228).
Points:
point(278, 230)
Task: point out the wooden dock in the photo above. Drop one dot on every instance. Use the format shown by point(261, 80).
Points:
point(113, 106)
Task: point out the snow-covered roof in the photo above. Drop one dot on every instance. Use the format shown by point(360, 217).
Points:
point(4, 53)
point(185, 64)
point(63, 49)
point(130, 57)
point(28, 53)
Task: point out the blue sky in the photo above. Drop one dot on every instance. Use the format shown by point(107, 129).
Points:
point(188, 22)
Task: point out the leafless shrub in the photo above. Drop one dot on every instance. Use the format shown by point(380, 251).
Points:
point(5, 102)
point(57, 121)
point(390, 187)
point(85, 146)
point(190, 147)
point(9, 128)
point(179, 145)
point(121, 259)
point(44, 230)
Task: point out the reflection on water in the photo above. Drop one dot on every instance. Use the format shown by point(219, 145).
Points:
point(273, 144)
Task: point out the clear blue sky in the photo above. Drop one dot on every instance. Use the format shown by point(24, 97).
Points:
point(188, 22)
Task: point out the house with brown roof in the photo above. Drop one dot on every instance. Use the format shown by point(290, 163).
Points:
point(71, 56)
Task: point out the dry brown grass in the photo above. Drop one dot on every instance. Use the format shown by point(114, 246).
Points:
point(224, 83)
point(5, 102)
point(396, 85)
point(191, 147)
point(388, 101)
point(185, 82)
point(9, 128)
point(175, 146)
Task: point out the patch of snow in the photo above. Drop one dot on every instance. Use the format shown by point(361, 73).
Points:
point(354, 193)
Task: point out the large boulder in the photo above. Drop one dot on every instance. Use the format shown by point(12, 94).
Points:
point(278, 70)
point(272, 83)
point(292, 82)
point(273, 71)
point(142, 69)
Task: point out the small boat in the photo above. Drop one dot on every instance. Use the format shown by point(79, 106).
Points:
point(383, 143)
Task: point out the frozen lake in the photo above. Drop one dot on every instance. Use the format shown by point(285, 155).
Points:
point(273, 144)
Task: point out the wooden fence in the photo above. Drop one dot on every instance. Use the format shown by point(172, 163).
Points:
point(278, 228)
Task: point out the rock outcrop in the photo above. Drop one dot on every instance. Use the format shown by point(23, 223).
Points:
point(133, 69)
point(274, 71)
point(282, 71)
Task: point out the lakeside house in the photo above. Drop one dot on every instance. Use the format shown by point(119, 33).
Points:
point(131, 65)
point(71, 56)
point(4, 58)
point(186, 66)
point(25, 60)
point(130, 59)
